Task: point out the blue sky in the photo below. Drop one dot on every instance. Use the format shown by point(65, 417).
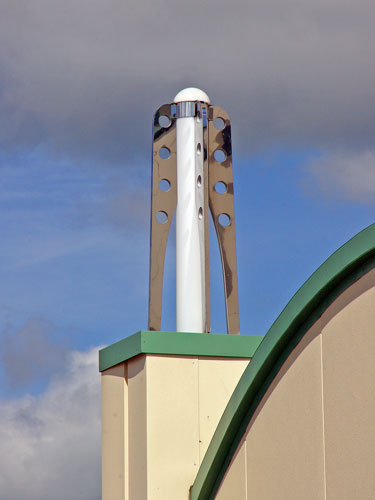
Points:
point(76, 243)
point(79, 83)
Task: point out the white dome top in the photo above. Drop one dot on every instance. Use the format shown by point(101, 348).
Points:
point(192, 94)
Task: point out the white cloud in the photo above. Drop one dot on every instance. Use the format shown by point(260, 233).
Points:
point(50, 444)
point(349, 175)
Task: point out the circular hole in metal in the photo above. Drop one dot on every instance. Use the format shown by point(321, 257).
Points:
point(199, 148)
point(200, 213)
point(164, 185)
point(219, 123)
point(162, 217)
point(221, 187)
point(224, 220)
point(219, 155)
point(164, 121)
point(164, 153)
point(199, 181)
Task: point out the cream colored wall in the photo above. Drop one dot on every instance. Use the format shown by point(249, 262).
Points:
point(234, 484)
point(349, 395)
point(217, 379)
point(114, 433)
point(172, 430)
point(137, 422)
point(312, 436)
point(172, 407)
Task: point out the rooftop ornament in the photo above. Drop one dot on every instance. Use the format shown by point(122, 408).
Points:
point(192, 175)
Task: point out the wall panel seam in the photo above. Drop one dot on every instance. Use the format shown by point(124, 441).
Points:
point(200, 458)
point(246, 494)
point(126, 432)
point(323, 417)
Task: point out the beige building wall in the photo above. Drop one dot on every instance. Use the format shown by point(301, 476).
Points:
point(159, 415)
point(312, 436)
point(114, 433)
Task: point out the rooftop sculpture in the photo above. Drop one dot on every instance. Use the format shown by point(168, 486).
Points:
point(192, 175)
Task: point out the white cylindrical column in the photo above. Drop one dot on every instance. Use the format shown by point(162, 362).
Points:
point(190, 253)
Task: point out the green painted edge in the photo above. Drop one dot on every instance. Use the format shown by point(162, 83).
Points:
point(338, 272)
point(178, 343)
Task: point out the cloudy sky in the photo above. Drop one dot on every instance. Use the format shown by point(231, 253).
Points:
point(79, 83)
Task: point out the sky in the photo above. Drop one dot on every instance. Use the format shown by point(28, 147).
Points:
point(79, 83)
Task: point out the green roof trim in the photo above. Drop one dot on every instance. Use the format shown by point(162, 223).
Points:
point(178, 343)
point(338, 272)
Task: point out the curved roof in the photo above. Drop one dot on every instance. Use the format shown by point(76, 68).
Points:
point(338, 272)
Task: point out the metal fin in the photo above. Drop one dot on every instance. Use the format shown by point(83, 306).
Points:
point(163, 205)
point(222, 207)
point(204, 111)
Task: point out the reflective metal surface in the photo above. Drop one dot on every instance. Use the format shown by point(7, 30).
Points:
point(217, 168)
point(163, 202)
point(222, 209)
point(202, 112)
point(186, 109)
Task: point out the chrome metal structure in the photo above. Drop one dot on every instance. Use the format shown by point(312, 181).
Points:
point(217, 183)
